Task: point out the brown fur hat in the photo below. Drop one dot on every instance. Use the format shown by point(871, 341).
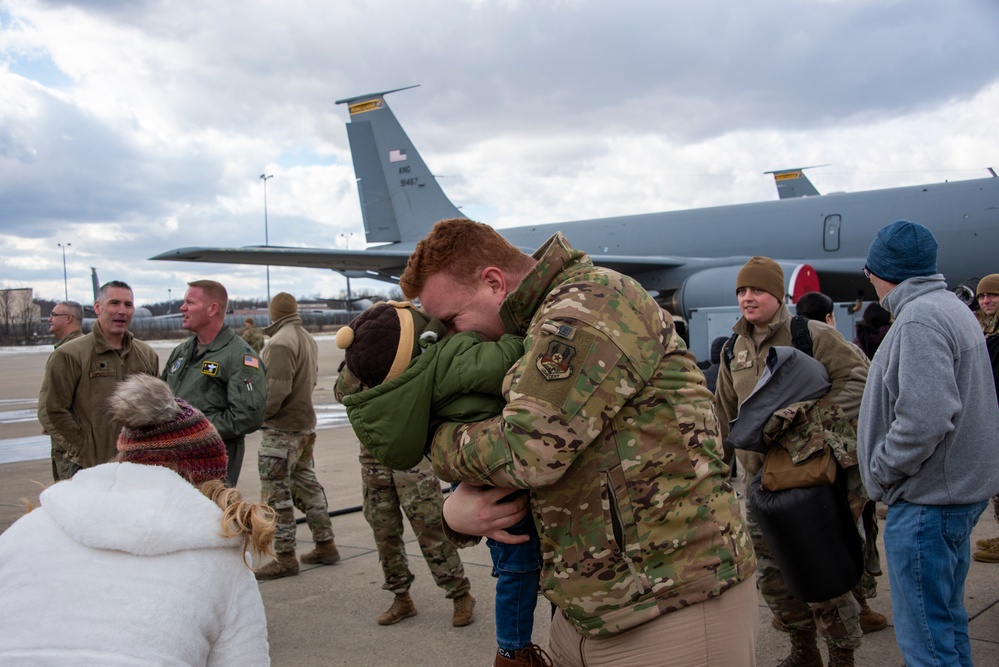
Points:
point(380, 342)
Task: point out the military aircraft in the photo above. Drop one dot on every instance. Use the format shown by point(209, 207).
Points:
point(687, 259)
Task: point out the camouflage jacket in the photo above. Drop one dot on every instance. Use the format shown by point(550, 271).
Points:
point(844, 362)
point(990, 323)
point(459, 378)
point(254, 337)
point(609, 423)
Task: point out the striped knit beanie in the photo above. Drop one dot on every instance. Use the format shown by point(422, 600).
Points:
point(160, 429)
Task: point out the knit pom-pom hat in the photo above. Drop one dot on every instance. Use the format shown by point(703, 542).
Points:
point(380, 342)
point(160, 429)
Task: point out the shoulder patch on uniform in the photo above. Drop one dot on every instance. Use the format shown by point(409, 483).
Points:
point(555, 368)
point(210, 368)
point(555, 363)
point(177, 364)
point(251, 361)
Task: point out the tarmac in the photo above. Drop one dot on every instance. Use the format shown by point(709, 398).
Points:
point(327, 614)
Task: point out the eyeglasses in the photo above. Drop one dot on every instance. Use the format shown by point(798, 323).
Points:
point(59, 315)
point(867, 272)
point(990, 295)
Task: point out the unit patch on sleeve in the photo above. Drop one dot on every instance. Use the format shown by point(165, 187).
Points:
point(210, 368)
point(558, 355)
point(177, 364)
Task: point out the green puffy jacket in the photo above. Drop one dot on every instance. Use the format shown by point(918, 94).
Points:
point(459, 378)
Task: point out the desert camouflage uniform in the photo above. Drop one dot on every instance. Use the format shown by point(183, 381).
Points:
point(609, 423)
point(287, 480)
point(418, 493)
point(836, 620)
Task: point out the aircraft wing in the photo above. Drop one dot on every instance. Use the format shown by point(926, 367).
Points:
point(636, 264)
point(387, 263)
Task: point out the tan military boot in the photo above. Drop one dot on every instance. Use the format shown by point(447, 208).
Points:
point(325, 553)
point(840, 657)
point(987, 555)
point(402, 607)
point(989, 543)
point(283, 565)
point(463, 608)
point(870, 620)
point(804, 651)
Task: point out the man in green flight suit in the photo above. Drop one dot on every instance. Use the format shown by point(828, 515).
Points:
point(217, 372)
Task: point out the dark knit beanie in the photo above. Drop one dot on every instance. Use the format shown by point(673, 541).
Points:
point(283, 305)
point(902, 250)
point(380, 342)
point(988, 285)
point(160, 429)
point(762, 273)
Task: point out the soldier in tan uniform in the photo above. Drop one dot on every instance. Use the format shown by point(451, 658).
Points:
point(610, 425)
point(285, 457)
point(65, 323)
point(81, 375)
point(765, 323)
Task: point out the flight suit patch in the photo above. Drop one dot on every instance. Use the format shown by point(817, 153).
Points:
point(210, 368)
point(251, 361)
point(177, 364)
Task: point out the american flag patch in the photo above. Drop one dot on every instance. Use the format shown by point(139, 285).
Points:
point(251, 362)
point(397, 156)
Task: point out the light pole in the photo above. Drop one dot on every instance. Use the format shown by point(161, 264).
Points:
point(65, 281)
point(346, 241)
point(169, 300)
point(267, 241)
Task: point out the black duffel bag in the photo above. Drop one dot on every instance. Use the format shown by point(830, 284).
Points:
point(811, 533)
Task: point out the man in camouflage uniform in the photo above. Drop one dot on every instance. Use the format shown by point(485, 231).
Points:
point(285, 458)
point(766, 322)
point(65, 323)
point(987, 294)
point(217, 372)
point(609, 424)
point(418, 492)
point(253, 336)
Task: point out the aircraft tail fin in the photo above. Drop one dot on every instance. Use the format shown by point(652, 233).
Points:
point(793, 183)
point(95, 280)
point(400, 198)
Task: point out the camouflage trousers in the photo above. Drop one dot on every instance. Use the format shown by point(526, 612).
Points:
point(417, 492)
point(837, 621)
point(288, 480)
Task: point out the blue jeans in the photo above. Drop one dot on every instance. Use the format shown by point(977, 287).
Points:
point(518, 567)
point(928, 555)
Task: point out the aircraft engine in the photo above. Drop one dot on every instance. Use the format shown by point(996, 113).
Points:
point(716, 286)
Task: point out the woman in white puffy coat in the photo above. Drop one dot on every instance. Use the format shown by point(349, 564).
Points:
point(141, 560)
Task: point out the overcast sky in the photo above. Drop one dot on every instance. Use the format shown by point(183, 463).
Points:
point(131, 127)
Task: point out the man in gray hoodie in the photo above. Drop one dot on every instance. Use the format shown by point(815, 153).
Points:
point(926, 442)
